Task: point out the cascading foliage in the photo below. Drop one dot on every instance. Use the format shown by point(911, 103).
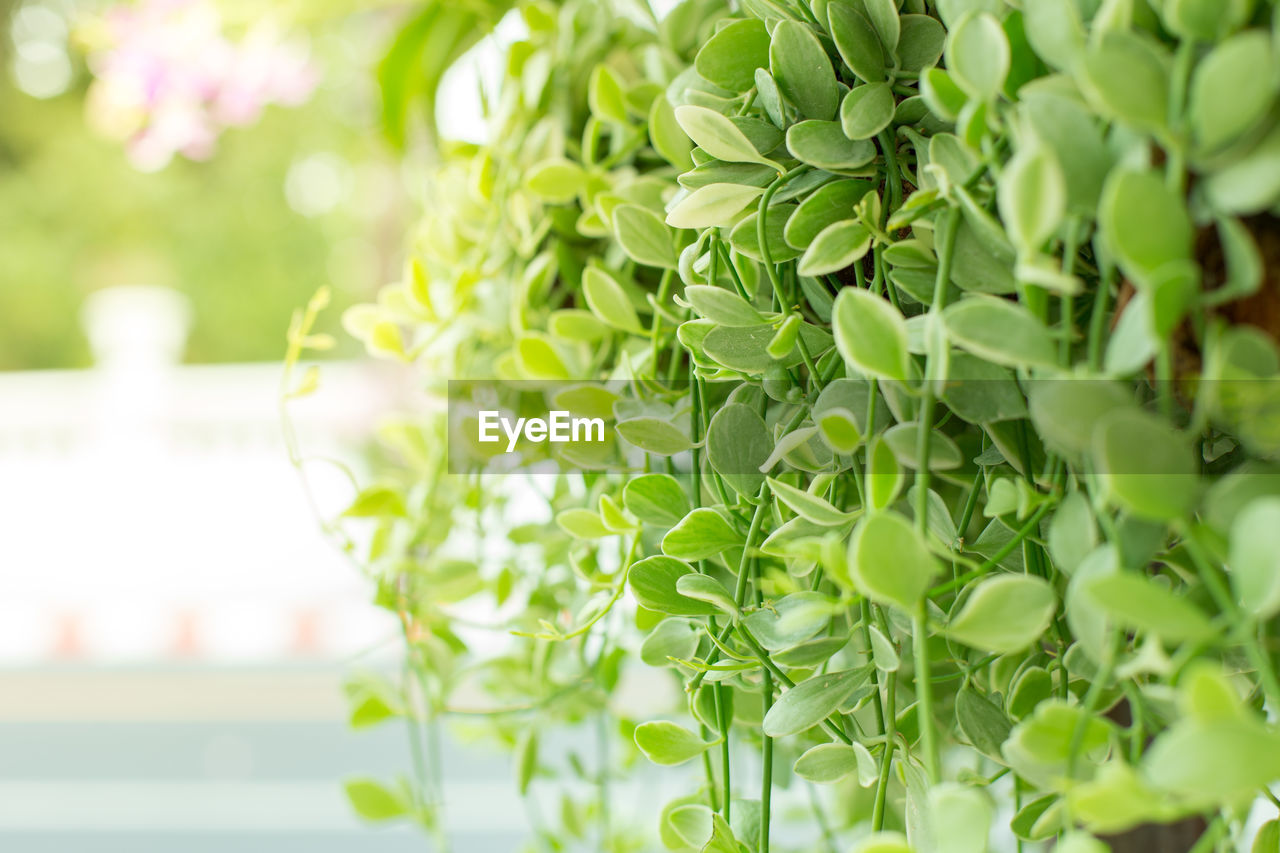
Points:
point(946, 332)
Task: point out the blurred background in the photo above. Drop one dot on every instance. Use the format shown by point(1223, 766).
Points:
point(175, 628)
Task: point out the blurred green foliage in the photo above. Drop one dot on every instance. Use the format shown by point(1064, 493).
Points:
point(76, 217)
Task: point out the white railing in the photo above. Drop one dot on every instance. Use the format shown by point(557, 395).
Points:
point(148, 510)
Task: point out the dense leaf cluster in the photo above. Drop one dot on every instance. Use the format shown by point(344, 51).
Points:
point(946, 332)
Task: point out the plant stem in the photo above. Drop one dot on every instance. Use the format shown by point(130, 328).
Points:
point(947, 239)
point(766, 255)
point(886, 760)
point(766, 785)
point(994, 560)
point(924, 693)
point(722, 721)
point(1227, 604)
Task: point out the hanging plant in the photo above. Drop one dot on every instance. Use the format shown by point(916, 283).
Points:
point(945, 336)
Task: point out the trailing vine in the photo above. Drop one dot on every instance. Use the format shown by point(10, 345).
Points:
point(935, 345)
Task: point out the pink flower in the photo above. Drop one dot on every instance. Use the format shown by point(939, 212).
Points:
point(168, 80)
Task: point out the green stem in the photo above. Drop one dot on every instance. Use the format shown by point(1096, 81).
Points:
point(663, 288)
point(994, 560)
point(924, 693)
point(722, 720)
point(763, 656)
point(1098, 319)
point(1227, 604)
point(766, 784)
point(946, 244)
point(886, 760)
point(766, 255)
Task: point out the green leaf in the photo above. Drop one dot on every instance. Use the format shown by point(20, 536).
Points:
point(1145, 223)
point(784, 340)
point(1126, 77)
point(867, 110)
point(526, 759)
point(1065, 411)
point(871, 335)
point(809, 507)
point(828, 763)
point(1033, 197)
point(582, 524)
point(538, 358)
point(712, 205)
point(1055, 32)
point(999, 331)
point(1040, 746)
point(944, 455)
point(721, 306)
point(1206, 20)
point(557, 180)
point(685, 822)
point(718, 136)
point(884, 18)
point(745, 236)
point(1255, 557)
point(1027, 823)
point(655, 499)
point(668, 138)
point(664, 742)
point(653, 582)
point(1004, 614)
point(884, 474)
point(1251, 183)
point(883, 652)
point(856, 40)
point(644, 237)
point(722, 837)
point(982, 723)
point(1068, 127)
point(1145, 466)
point(889, 561)
point(940, 92)
point(823, 144)
point(1232, 89)
point(1267, 839)
point(1072, 532)
point(962, 815)
point(731, 56)
point(372, 801)
point(654, 435)
point(978, 55)
point(811, 701)
point(605, 96)
point(738, 443)
point(981, 392)
point(1140, 604)
point(673, 638)
point(701, 534)
point(802, 70)
point(826, 206)
point(840, 245)
point(791, 620)
point(377, 502)
point(608, 301)
point(708, 589)
point(1214, 763)
point(840, 429)
point(574, 324)
point(921, 43)
point(883, 842)
point(746, 349)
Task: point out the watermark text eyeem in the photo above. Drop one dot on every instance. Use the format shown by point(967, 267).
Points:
point(558, 427)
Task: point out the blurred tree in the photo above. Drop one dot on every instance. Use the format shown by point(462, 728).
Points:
point(300, 199)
